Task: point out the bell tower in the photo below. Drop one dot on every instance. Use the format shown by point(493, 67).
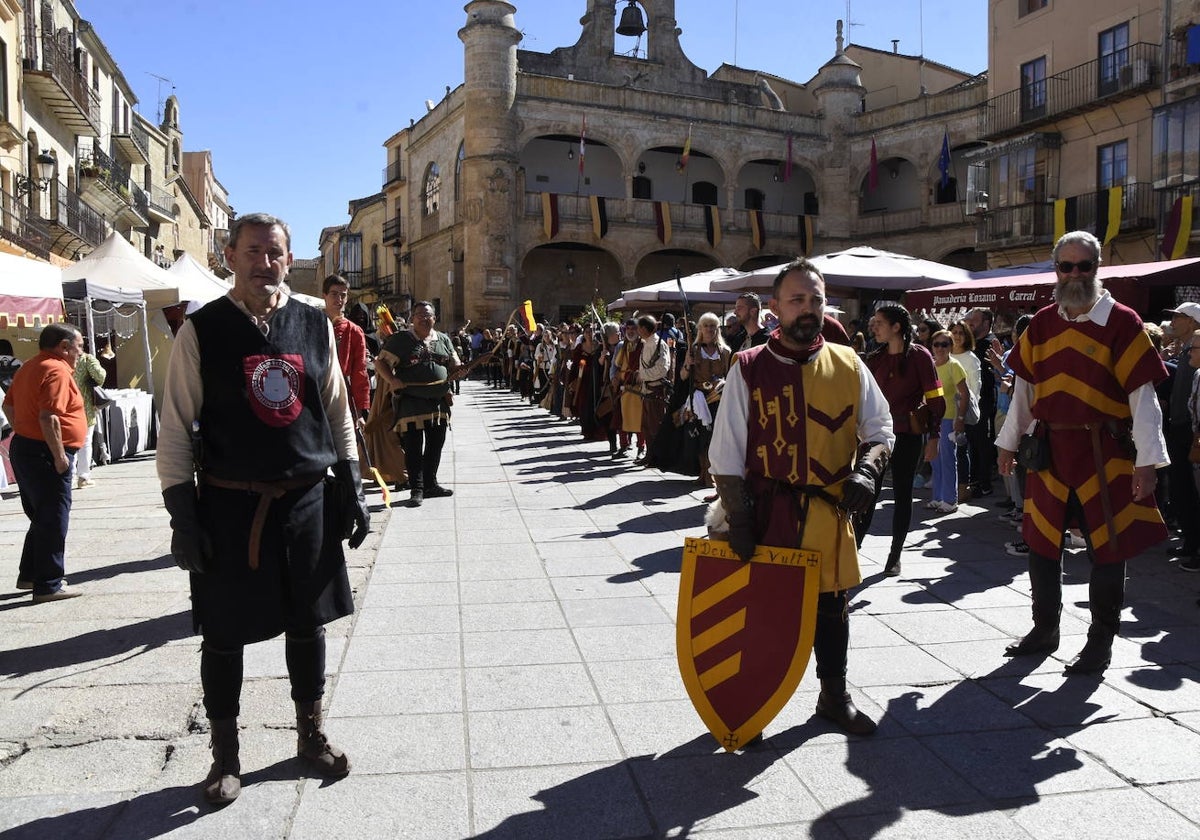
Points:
point(489, 185)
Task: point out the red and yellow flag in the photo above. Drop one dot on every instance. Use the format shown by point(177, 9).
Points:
point(527, 316)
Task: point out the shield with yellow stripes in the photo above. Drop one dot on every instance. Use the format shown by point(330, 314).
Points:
point(744, 633)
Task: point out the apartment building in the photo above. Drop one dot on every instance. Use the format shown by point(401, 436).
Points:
point(77, 161)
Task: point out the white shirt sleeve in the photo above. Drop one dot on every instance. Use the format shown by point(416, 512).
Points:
point(183, 394)
point(1019, 417)
point(727, 449)
point(874, 413)
point(1148, 428)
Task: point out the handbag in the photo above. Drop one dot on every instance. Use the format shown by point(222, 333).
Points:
point(100, 397)
point(1194, 452)
point(1033, 452)
point(918, 420)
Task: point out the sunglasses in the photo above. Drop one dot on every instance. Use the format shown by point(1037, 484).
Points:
point(942, 344)
point(1066, 266)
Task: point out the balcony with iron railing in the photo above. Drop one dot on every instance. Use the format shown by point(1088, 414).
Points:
point(392, 231)
point(162, 204)
point(105, 183)
point(1116, 76)
point(22, 228)
point(72, 217)
point(134, 144)
point(52, 74)
point(1182, 70)
point(393, 173)
point(1033, 223)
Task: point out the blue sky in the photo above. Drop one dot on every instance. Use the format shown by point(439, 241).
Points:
point(295, 104)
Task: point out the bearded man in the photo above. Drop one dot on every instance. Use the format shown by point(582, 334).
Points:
point(1085, 372)
point(802, 436)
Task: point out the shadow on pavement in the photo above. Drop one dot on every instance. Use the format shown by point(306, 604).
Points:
point(138, 637)
point(666, 561)
point(153, 814)
point(647, 796)
point(113, 570)
point(1005, 764)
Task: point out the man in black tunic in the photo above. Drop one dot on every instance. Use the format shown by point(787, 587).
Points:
point(255, 413)
point(422, 365)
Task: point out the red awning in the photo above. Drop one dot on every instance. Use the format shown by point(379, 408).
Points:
point(1026, 291)
point(18, 311)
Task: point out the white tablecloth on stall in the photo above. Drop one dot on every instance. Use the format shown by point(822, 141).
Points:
point(128, 421)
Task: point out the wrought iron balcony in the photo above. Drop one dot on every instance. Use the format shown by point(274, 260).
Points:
point(52, 74)
point(74, 221)
point(22, 228)
point(162, 205)
point(392, 232)
point(1122, 74)
point(134, 144)
point(105, 183)
point(1034, 223)
point(393, 173)
point(354, 279)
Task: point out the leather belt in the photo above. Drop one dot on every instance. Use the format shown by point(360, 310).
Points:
point(268, 491)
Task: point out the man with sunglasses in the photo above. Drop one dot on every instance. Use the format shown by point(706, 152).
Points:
point(1085, 371)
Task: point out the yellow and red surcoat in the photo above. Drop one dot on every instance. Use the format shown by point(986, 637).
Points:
point(1082, 375)
point(803, 433)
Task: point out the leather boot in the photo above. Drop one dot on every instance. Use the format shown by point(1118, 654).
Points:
point(1106, 596)
point(834, 704)
point(1045, 583)
point(223, 783)
point(314, 747)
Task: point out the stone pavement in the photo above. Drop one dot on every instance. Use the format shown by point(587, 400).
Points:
point(510, 673)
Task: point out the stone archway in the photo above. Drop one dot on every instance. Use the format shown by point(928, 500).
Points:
point(563, 278)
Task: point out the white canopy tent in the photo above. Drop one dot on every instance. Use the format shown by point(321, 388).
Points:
point(30, 298)
point(117, 273)
point(861, 267)
point(697, 287)
point(196, 284)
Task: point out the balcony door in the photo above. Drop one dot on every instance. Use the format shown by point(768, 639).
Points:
point(1114, 58)
point(1033, 89)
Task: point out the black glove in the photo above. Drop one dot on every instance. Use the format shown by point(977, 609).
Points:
point(739, 513)
point(859, 489)
point(191, 546)
point(858, 493)
point(357, 522)
point(741, 534)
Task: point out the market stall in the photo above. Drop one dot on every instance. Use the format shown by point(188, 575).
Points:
point(121, 288)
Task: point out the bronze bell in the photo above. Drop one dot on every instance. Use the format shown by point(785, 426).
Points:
point(631, 21)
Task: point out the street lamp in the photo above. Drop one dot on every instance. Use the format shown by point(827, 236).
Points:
point(45, 168)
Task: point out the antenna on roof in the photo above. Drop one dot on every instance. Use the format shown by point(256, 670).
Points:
point(158, 110)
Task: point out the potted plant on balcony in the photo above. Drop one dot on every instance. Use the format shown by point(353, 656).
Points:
point(87, 169)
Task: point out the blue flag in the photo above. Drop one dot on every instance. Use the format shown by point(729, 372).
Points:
point(944, 160)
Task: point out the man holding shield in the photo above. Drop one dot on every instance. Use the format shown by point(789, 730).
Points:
point(803, 433)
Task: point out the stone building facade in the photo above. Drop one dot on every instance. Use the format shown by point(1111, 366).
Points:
point(494, 195)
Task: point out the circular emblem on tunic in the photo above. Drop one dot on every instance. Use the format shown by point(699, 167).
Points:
point(276, 384)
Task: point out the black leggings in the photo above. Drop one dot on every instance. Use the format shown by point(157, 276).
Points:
point(221, 671)
point(905, 457)
point(423, 454)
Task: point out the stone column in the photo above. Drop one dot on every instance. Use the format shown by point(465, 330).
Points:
point(490, 201)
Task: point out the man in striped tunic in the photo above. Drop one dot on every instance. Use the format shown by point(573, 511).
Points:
point(1085, 374)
